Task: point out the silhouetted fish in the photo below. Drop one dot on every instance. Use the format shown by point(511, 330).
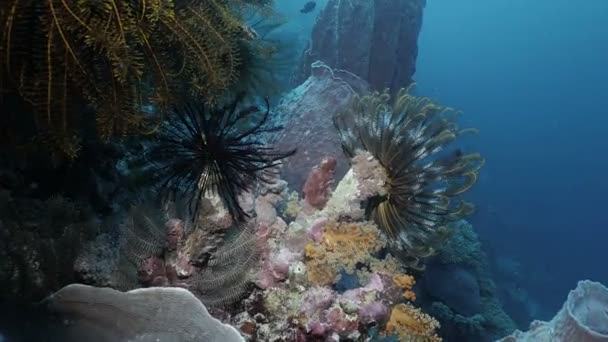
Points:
point(308, 7)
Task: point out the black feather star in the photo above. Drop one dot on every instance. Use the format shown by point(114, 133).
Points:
point(204, 150)
point(410, 138)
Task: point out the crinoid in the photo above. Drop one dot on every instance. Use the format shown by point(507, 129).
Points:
point(207, 150)
point(214, 261)
point(114, 58)
point(227, 275)
point(408, 137)
point(142, 238)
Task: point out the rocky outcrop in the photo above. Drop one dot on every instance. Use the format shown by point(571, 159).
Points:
point(376, 40)
point(307, 114)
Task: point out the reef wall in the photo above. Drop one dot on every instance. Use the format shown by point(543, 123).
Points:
point(376, 40)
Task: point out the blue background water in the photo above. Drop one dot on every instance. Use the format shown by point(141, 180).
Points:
point(532, 76)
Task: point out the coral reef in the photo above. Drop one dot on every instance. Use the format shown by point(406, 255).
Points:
point(326, 276)
point(376, 40)
point(583, 318)
point(405, 137)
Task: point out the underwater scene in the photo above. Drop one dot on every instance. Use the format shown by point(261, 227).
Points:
point(292, 170)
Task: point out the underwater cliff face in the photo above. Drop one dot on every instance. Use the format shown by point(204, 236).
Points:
point(376, 40)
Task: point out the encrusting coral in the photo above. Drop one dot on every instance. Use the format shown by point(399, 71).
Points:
point(405, 137)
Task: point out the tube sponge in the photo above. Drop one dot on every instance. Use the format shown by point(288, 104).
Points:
point(583, 318)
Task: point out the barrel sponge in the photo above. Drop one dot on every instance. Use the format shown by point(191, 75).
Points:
point(151, 314)
point(583, 318)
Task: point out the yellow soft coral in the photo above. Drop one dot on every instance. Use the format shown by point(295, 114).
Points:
point(411, 324)
point(342, 246)
point(405, 282)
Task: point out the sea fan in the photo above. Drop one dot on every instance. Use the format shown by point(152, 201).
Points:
point(204, 150)
point(408, 138)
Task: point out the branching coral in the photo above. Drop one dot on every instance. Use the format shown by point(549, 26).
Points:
point(117, 56)
point(204, 151)
point(407, 137)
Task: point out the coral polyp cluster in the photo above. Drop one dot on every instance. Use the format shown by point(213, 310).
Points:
point(408, 137)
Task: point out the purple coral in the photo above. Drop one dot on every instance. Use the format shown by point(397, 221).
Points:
point(373, 312)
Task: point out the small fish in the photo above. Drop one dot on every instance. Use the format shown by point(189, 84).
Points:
point(308, 7)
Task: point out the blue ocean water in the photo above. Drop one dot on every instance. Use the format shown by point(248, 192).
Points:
point(531, 75)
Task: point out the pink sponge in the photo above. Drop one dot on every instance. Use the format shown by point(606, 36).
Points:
point(583, 318)
point(317, 187)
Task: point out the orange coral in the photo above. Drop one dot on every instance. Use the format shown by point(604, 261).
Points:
point(343, 245)
point(411, 324)
point(405, 282)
